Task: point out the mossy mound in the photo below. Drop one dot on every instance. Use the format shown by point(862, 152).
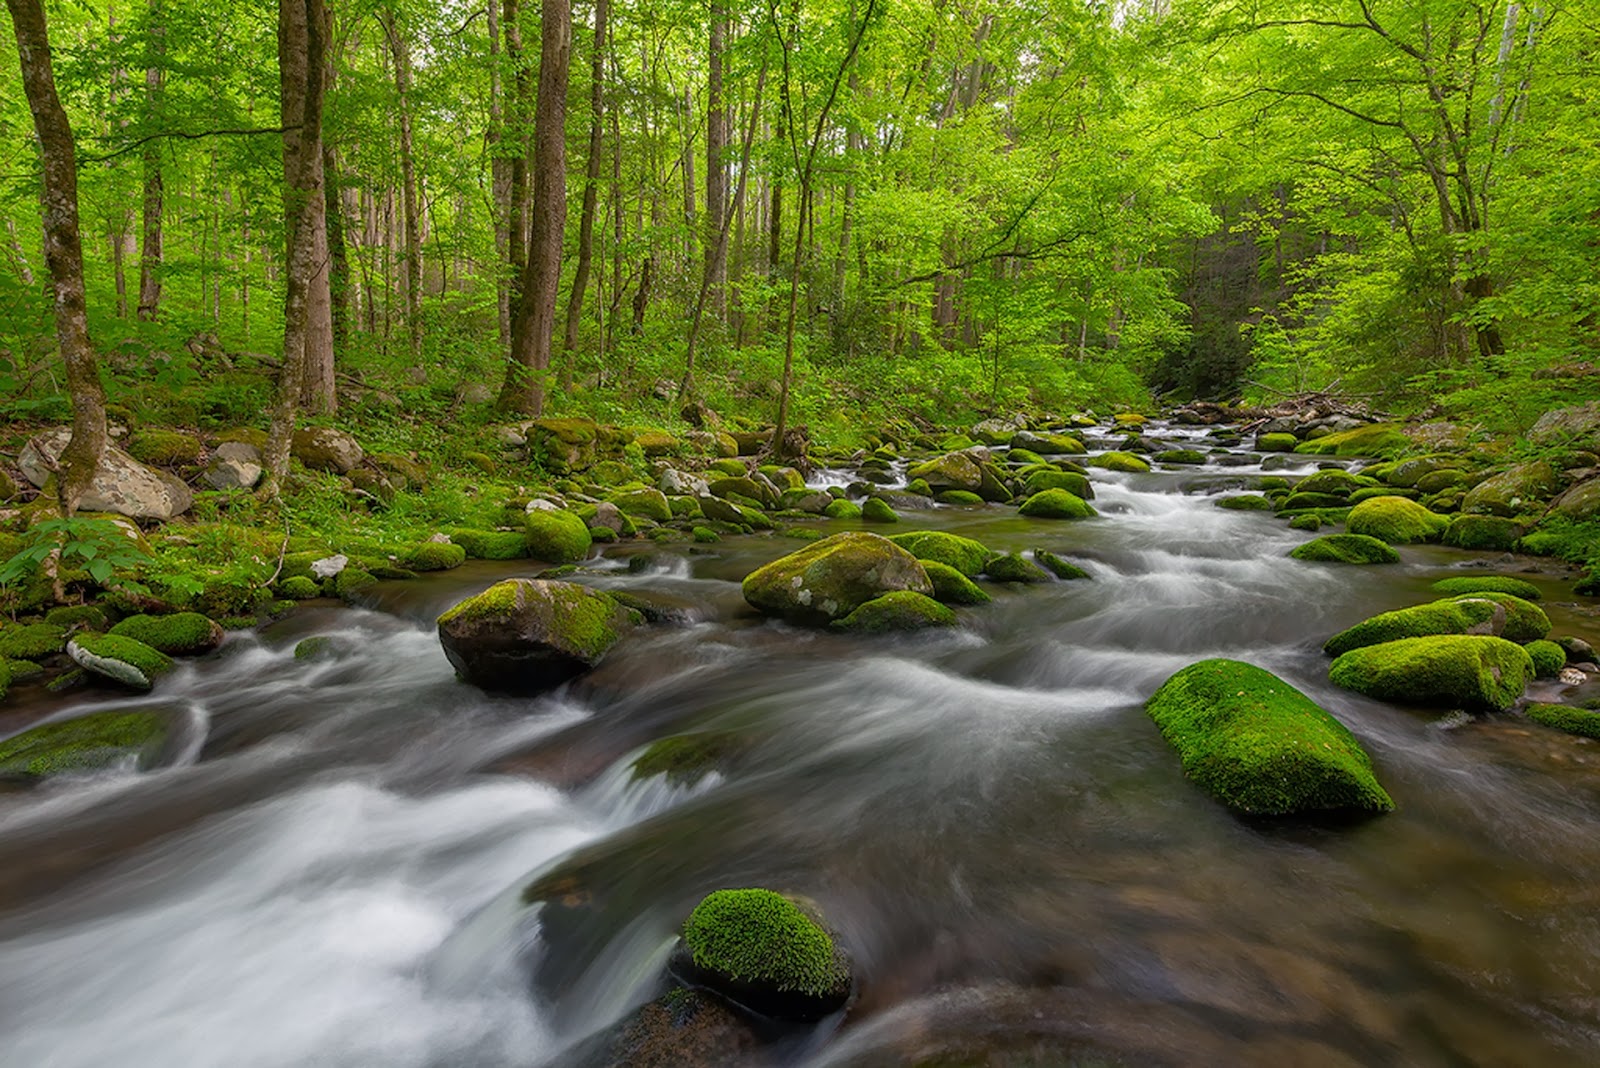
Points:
point(180, 634)
point(760, 950)
point(831, 578)
point(1312, 521)
point(556, 537)
point(1566, 718)
point(164, 448)
point(901, 610)
point(86, 616)
point(964, 554)
point(86, 743)
point(1296, 502)
point(317, 647)
point(1061, 569)
point(1119, 461)
point(1525, 621)
point(1345, 549)
point(1245, 502)
point(121, 659)
point(31, 641)
point(1418, 621)
point(1487, 584)
point(842, 509)
point(1378, 439)
point(491, 544)
point(685, 759)
point(433, 556)
point(1478, 674)
point(1334, 482)
point(1548, 658)
point(351, 584)
point(1014, 567)
point(1259, 745)
point(877, 510)
point(1050, 479)
point(1181, 456)
point(1396, 521)
point(1484, 532)
point(530, 635)
point(1057, 504)
point(1367, 493)
point(705, 535)
point(646, 503)
point(950, 586)
point(1276, 442)
point(299, 588)
point(958, 497)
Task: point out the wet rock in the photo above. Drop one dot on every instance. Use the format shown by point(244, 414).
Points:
point(323, 448)
point(528, 635)
point(233, 465)
point(831, 578)
point(1057, 504)
point(1478, 674)
point(677, 483)
point(950, 586)
point(964, 554)
point(121, 484)
point(902, 610)
point(1396, 521)
point(1119, 461)
point(87, 743)
point(1580, 503)
point(1441, 617)
point(1014, 567)
point(1048, 444)
point(556, 536)
point(681, 1029)
point(1517, 489)
point(1483, 532)
point(1345, 549)
point(125, 660)
point(952, 471)
point(179, 634)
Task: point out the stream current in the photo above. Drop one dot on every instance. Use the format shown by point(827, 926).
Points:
point(333, 872)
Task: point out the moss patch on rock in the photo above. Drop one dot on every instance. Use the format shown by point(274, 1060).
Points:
point(121, 659)
point(1057, 504)
point(1548, 658)
point(964, 554)
point(1345, 549)
point(1014, 567)
point(1487, 584)
point(901, 610)
point(831, 578)
point(1246, 502)
point(876, 510)
point(433, 556)
point(685, 759)
point(760, 937)
point(1418, 621)
point(1259, 745)
point(950, 586)
point(528, 635)
point(1525, 621)
point(1478, 674)
point(1119, 461)
point(86, 743)
point(1396, 520)
point(1484, 532)
point(298, 588)
point(31, 641)
point(1060, 568)
point(1378, 439)
point(180, 634)
point(1580, 721)
point(556, 537)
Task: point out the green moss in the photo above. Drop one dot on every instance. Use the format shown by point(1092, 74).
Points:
point(164, 448)
point(320, 647)
point(1057, 504)
point(1367, 493)
point(1056, 445)
point(705, 535)
point(498, 600)
point(1051, 479)
point(1119, 461)
point(1566, 718)
point(351, 583)
point(1246, 502)
point(433, 556)
point(842, 509)
point(1181, 456)
point(32, 641)
point(1439, 617)
point(1335, 483)
point(1479, 674)
point(685, 759)
point(86, 616)
point(901, 610)
point(1023, 456)
point(760, 937)
point(556, 537)
point(298, 588)
point(585, 620)
point(920, 487)
point(958, 497)
point(964, 554)
point(176, 635)
point(1259, 745)
point(1312, 521)
point(1346, 549)
point(86, 743)
point(1396, 521)
point(22, 670)
point(1296, 502)
point(1276, 442)
point(482, 461)
point(1548, 658)
point(1013, 567)
point(831, 578)
point(876, 510)
point(647, 503)
point(149, 662)
point(1525, 621)
point(1487, 584)
point(950, 586)
point(1061, 569)
point(1483, 532)
point(1378, 439)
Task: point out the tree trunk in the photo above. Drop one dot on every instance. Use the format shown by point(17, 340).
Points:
point(63, 253)
point(338, 257)
point(716, 167)
point(591, 191)
point(150, 252)
point(517, 219)
point(400, 49)
point(500, 179)
point(317, 393)
point(302, 54)
point(523, 390)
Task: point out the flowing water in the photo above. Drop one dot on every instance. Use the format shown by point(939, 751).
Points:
point(333, 871)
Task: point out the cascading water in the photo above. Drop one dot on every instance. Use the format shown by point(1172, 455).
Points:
point(334, 872)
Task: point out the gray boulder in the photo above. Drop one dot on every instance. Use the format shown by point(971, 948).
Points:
point(121, 484)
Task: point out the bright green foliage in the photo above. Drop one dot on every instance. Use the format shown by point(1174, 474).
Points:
point(1396, 521)
point(950, 586)
point(1525, 622)
point(1345, 549)
point(1014, 567)
point(32, 641)
point(1057, 504)
point(1548, 658)
point(1566, 718)
point(556, 537)
point(101, 547)
point(86, 743)
point(1487, 584)
point(180, 634)
point(877, 510)
point(433, 556)
point(1061, 569)
point(491, 544)
point(1119, 461)
point(87, 616)
point(1479, 674)
point(1440, 617)
point(757, 936)
point(1378, 439)
point(964, 554)
point(1259, 745)
point(901, 610)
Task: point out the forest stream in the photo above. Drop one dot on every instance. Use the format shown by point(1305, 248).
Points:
point(331, 868)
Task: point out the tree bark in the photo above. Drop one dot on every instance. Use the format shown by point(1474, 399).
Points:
point(523, 390)
point(716, 166)
point(63, 253)
point(591, 191)
point(519, 211)
point(500, 179)
point(338, 256)
point(150, 252)
point(400, 49)
point(316, 383)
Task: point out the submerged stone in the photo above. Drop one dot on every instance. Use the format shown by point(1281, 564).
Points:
point(901, 610)
point(1344, 548)
point(86, 743)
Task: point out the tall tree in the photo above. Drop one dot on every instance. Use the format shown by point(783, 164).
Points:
point(400, 49)
point(150, 251)
point(591, 188)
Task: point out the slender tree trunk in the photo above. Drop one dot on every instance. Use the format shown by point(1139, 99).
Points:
point(523, 390)
point(400, 49)
point(302, 55)
point(591, 192)
point(19, 258)
point(150, 253)
point(63, 253)
point(338, 256)
point(316, 338)
point(716, 166)
point(500, 179)
point(517, 221)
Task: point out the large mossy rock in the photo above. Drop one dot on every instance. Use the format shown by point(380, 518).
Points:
point(830, 578)
point(1478, 674)
point(528, 635)
point(1346, 549)
point(1071, 481)
point(179, 634)
point(1525, 621)
point(1046, 444)
point(964, 554)
point(952, 471)
point(1419, 621)
point(1581, 503)
point(763, 952)
point(1576, 427)
point(1395, 520)
point(901, 610)
point(1483, 532)
point(1259, 745)
point(1377, 439)
point(323, 448)
point(951, 586)
point(1119, 461)
point(86, 743)
point(1454, 587)
point(556, 536)
point(121, 484)
point(1057, 504)
point(233, 465)
point(164, 448)
point(1580, 721)
point(121, 659)
point(1518, 489)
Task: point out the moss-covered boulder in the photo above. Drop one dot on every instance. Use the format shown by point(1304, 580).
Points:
point(556, 536)
point(1046, 444)
point(1014, 567)
point(121, 659)
point(878, 510)
point(1345, 549)
point(1478, 674)
point(950, 586)
point(179, 634)
point(1119, 461)
point(86, 743)
point(1376, 439)
point(433, 556)
point(1276, 442)
point(1525, 621)
point(901, 610)
point(1395, 520)
point(647, 502)
point(1519, 488)
point(529, 635)
point(1418, 621)
point(830, 578)
point(759, 490)
point(1181, 457)
point(31, 641)
point(1487, 584)
point(1548, 658)
point(842, 509)
point(164, 448)
point(1334, 482)
point(762, 951)
point(1580, 721)
point(1296, 502)
point(299, 588)
point(1483, 532)
point(964, 554)
point(1245, 502)
point(1312, 521)
point(1259, 745)
point(324, 448)
point(1057, 504)
point(1061, 569)
point(1050, 479)
point(952, 471)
